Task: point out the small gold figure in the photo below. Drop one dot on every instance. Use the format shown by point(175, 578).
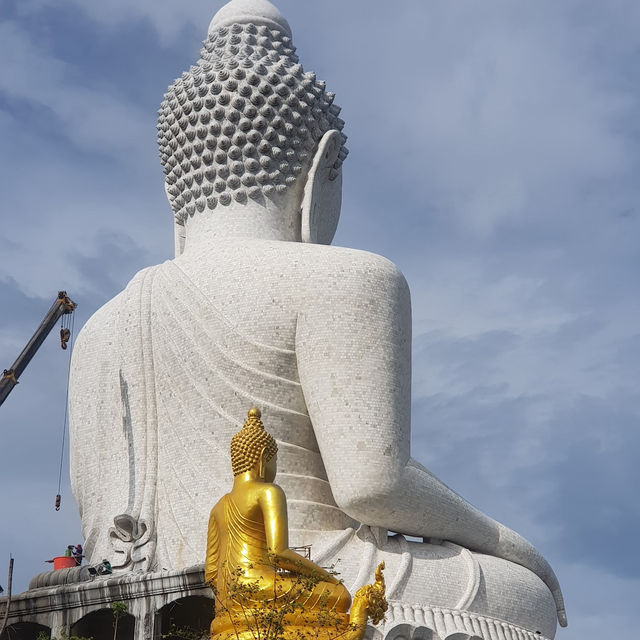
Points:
point(263, 588)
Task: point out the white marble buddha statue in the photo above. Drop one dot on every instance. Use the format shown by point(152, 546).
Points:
point(257, 309)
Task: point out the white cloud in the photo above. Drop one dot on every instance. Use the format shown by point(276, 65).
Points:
point(584, 589)
point(166, 17)
point(80, 164)
point(88, 118)
point(504, 115)
point(545, 345)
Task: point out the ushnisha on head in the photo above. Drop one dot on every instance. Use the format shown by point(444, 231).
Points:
point(251, 445)
point(243, 124)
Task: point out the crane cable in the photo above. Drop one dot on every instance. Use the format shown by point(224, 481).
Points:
point(66, 335)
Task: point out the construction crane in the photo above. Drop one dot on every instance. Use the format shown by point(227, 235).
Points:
point(62, 306)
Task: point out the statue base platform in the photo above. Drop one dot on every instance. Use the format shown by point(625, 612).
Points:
point(71, 602)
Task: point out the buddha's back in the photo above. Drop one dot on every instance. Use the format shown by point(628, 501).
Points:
point(337, 326)
point(262, 287)
point(217, 330)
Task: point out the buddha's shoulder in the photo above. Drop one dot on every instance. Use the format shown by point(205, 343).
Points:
point(354, 269)
point(251, 495)
point(267, 493)
point(348, 264)
point(110, 313)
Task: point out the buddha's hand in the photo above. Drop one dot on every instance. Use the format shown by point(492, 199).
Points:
point(374, 597)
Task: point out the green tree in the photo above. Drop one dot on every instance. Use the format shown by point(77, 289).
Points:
point(63, 636)
point(119, 609)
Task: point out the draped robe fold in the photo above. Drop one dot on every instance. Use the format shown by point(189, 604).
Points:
point(244, 545)
point(184, 377)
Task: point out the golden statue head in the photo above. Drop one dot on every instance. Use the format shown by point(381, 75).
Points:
point(252, 444)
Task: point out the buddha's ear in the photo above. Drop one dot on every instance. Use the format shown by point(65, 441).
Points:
point(323, 192)
point(262, 464)
point(179, 232)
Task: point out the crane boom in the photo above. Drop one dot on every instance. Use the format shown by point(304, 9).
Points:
point(60, 307)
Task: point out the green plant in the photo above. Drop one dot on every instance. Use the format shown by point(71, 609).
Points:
point(63, 636)
point(256, 613)
point(119, 609)
point(185, 633)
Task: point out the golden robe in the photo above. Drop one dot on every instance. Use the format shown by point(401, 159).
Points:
point(246, 577)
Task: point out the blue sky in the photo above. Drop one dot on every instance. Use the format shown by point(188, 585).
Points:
point(494, 154)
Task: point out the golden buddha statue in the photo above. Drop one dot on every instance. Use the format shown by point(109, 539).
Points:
point(263, 588)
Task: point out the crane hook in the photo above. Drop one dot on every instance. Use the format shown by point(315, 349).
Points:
point(65, 334)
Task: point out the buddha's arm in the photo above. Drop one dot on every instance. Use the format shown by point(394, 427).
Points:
point(273, 504)
point(211, 563)
point(354, 360)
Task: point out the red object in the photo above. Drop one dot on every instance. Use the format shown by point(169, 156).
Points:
point(63, 562)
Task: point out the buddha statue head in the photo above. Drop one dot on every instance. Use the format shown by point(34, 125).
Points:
point(246, 127)
point(253, 449)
